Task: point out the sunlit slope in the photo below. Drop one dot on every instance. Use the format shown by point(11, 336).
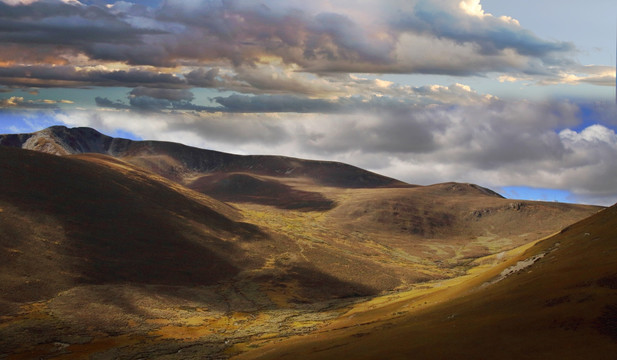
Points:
point(463, 213)
point(560, 304)
point(391, 238)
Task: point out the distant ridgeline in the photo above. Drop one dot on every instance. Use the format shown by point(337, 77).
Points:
point(178, 159)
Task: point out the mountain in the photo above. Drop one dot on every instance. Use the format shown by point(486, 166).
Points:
point(117, 249)
point(182, 163)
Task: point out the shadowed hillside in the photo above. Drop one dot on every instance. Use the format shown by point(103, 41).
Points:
point(236, 187)
point(67, 221)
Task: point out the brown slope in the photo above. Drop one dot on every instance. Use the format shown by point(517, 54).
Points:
point(69, 221)
point(450, 223)
point(245, 188)
point(455, 211)
point(563, 305)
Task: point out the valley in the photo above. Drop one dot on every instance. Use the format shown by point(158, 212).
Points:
point(112, 248)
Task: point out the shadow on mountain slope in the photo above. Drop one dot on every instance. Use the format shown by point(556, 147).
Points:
point(250, 189)
point(107, 227)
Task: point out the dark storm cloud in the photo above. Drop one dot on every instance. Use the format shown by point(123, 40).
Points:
point(149, 103)
point(155, 100)
point(171, 99)
point(399, 99)
point(132, 77)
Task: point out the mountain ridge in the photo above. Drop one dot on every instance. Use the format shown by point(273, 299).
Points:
point(61, 140)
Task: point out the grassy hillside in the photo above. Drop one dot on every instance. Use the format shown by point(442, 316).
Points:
point(556, 300)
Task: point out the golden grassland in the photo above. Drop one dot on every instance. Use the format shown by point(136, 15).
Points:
point(563, 306)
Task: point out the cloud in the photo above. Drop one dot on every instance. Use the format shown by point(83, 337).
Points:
point(149, 103)
point(153, 100)
point(466, 22)
point(201, 77)
point(227, 132)
point(106, 103)
point(314, 36)
point(370, 95)
point(73, 76)
point(592, 163)
point(15, 102)
point(496, 143)
point(12, 101)
point(87, 29)
point(591, 74)
point(282, 47)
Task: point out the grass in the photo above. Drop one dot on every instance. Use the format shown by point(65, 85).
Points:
point(561, 307)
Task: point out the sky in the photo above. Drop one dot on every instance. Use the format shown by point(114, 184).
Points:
point(517, 96)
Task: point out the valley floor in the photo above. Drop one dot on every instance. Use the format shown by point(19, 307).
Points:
point(181, 323)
